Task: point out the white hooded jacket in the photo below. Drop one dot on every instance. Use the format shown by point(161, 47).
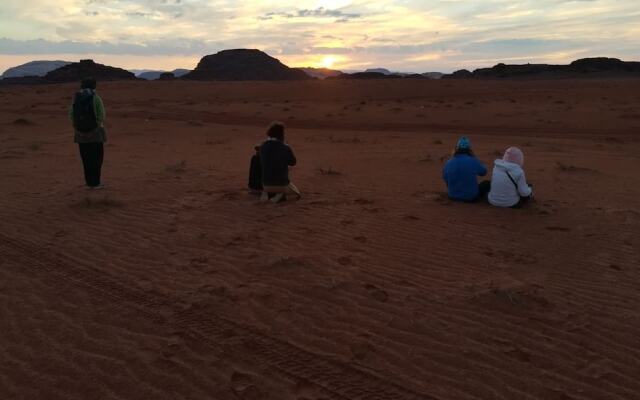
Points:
point(503, 192)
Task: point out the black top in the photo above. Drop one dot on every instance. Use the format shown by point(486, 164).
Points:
point(276, 157)
point(255, 173)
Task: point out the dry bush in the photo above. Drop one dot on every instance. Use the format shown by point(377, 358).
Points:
point(100, 203)
point(35, 146)
point(177, 168)
point(437, 141)
point(354, 140)
point(571, 168)
point(329, 171)
point(22, 121)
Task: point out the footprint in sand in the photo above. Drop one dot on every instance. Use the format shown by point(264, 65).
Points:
point(345, 261)
point(243, 386)
point(377, 293)
point(361, 350)
point(306, 390)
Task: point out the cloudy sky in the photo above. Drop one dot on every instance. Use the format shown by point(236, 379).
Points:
point(403, 35)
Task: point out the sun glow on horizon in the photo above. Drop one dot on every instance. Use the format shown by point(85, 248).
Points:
point(328, 62)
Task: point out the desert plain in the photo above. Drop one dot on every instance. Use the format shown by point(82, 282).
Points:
point(175, 283)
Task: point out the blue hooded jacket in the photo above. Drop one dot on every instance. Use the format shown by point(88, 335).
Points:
point(460, 173)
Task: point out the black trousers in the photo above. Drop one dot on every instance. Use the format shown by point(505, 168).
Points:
point(483, 189)
point(92, 156)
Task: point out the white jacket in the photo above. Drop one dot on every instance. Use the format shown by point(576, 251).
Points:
point(503, 192)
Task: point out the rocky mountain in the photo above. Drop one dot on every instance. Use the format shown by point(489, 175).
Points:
point(244, 65)
point(33, 68)
point(320, 73)
point(600, 67)
point(74, 72)
point(167, 76)
point(433, 75)
point(383, 71)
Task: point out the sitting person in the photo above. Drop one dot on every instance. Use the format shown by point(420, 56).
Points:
point(255, 172)
point(276, 157)
point(461, 172)
point(509, 186)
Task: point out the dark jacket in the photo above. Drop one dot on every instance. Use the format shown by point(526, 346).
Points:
point(255, 173)
point(276, 157)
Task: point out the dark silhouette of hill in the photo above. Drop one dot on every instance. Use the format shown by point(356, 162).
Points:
point(244, 65)
point(74, 72)
point(366, 75)
point(600, 67)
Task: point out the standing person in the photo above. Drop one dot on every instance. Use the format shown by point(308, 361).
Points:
point(509, 186)
point(461, 171)
point(276, 157)
point(255, 172)
point(87, 114)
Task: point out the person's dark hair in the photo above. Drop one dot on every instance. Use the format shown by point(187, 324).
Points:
point(276, 130)
point(468, 152)
point(88, 83)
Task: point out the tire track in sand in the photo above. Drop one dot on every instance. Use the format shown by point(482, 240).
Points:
point(339, 380)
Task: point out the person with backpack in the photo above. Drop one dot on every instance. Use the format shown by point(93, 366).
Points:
point(509, 187)
point(88, 115)
point(276, 157)
point(460, 174)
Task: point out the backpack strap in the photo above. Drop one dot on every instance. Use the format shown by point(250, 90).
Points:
point(512, 180)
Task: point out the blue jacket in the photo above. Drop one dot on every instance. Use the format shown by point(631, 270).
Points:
point(460, 174)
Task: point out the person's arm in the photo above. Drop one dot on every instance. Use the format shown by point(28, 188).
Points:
point(291, 157)
point(99, 109)
point(445, 173)
point(482, 170)
point(524, 189)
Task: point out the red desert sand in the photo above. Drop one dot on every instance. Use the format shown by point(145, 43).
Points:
point(174, 283)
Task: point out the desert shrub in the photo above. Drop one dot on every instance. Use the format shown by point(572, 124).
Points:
point(177, 168)
point(329, 171)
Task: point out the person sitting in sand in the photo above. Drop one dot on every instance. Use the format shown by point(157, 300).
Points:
point(460, 174)
point(255, 172)
point(276, 157)
point(87, 114)
point(509, 186)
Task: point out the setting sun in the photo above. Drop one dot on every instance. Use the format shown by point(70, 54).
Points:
point(328, 61)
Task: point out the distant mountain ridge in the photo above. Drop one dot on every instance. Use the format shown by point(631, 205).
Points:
point(154, 75)
point(251, 65)
point(74, 72)
point(33, 68)
point(583, 68)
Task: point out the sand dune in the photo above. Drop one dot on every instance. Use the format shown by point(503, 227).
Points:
point(174, 283)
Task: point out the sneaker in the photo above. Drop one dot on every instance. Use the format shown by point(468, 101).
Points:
point(278, 198)
point(264, 197)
